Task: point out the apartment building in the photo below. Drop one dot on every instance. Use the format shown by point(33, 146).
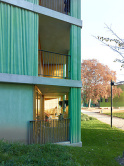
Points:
point(40, 71)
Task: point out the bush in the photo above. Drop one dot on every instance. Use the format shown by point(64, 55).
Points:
point(15, 154)
point(85, 117)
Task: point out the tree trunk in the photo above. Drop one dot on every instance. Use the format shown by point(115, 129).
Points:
point(89, 103)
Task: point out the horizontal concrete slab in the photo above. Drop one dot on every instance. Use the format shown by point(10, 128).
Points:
point(50, 90)
point(24, 79)
point(78, 144)
point(45, 11)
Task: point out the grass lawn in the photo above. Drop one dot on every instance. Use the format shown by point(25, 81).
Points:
point(101, 145)
point(119, 115)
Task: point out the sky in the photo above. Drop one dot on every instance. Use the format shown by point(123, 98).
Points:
point(95, 14)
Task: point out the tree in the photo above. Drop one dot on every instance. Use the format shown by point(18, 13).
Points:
point(96, 79)
point(116, 44)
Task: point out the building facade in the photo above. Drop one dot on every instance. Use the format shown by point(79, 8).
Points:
point(118, 101)
point(40, 65)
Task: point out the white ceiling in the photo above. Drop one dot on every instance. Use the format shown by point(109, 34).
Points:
point(54, 34)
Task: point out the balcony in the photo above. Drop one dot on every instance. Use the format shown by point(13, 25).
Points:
point(51, 131)
point(62, 6)
point(55, 65)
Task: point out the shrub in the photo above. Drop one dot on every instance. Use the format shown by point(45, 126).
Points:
point(85, 117)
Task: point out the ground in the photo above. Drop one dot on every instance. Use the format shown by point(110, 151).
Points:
point(95, 112)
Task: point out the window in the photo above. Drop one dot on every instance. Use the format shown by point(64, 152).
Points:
point(106, 100)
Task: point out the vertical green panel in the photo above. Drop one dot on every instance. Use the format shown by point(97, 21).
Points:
point(76, 8)
point(75, 93)
point(18, 41)
point(79, 114)
point(75, 114)
point(73, 51)
point(16, 110)
point(79, 53)
point(79, 9)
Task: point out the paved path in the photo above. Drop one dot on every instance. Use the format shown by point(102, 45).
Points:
point(117, 122)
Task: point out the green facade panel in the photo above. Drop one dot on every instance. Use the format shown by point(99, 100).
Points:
point(75, 8)
point(18, 41)
point(19, 55)
point(75, 115)
point(16, 110)
point(75, 93)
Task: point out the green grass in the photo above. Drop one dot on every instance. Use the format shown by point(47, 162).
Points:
point(35, 155)
point(101, 144)
point(119, 115)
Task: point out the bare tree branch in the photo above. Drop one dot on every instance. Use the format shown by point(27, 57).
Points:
point(113, 32)
point(112, 47)
point(118, 47)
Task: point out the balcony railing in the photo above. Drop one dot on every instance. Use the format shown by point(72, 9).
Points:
point(51, 64)
point(62, 6)
point(50, 131)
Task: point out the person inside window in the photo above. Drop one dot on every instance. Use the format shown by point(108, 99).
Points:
point(67, 6)
point(60, 116)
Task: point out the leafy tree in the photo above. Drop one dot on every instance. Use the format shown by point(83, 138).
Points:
point(116, 44)
point(96, 79)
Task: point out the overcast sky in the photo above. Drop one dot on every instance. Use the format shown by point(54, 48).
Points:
point(95, 14)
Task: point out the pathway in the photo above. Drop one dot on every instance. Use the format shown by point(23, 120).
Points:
point(117, 122)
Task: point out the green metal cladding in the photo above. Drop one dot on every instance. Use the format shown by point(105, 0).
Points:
point(18, 40)
point(16, 110)
point(75, 93)
point(76, 8)
point(19, 55)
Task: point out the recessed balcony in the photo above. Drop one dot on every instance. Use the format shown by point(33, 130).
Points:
point(54, 65)
point(51, 131)
point(62, 6)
